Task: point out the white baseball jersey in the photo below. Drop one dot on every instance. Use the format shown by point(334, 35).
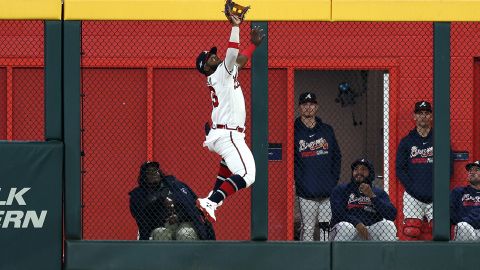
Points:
point(225, 91)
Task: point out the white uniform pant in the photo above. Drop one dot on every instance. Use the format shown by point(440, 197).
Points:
point(231, 145)
point(466, 232)
point(384, 230)
point(312, 212)
point(413, 208)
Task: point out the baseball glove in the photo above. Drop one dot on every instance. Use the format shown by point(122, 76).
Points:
point(232, 8)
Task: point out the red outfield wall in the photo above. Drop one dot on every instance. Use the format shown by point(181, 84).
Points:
point(143, 100)
point(21, 80)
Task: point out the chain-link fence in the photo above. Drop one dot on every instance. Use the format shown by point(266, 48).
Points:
point(350, 128)
point(143, 100)
point(350, 91)
point(465, 131)
point(21, 80)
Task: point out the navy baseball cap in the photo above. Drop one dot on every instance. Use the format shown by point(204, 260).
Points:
point(203, 57)
point(423, 106)
point(307, 97)
point(470, 165)
point(364, 162)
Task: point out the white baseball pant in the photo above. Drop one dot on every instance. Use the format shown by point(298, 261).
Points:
point(231, 146)
point(413, 208)
point(312, 212)
point(466, 232)
point(384, 230)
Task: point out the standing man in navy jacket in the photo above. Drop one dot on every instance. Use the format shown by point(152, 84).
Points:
point(361, 211)
point(317, 166)
point(465, 206)
point(414, 168)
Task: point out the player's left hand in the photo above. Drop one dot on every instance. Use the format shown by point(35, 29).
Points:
point(366, 190)
point(234, 20)
point(257, 35)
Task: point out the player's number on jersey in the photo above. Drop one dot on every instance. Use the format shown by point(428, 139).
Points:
point(214, 98)
point(236, 83)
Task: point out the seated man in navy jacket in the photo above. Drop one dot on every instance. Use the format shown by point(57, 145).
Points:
point(164, 208)
point(465, 206)
point(361, 211)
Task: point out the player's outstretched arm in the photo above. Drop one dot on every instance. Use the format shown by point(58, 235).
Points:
point(233, 43)
point(256, 37)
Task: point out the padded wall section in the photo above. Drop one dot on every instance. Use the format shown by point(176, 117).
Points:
point(114, 139)
point(28, 104)
point(3, 103)
point(278, 223)
point(21, 79)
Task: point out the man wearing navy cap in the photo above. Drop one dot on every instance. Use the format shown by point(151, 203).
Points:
point(465, 206)
point(361, 211)
point(414, 169)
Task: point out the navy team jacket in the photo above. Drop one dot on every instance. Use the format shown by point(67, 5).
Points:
point(317, 160)
point(146, 206)
point(349, 205)
point(414, 165)
point(465, 206)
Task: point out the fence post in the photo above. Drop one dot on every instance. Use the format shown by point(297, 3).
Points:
point(53, 80)
point(71, 84)
point(259, 133)
point(441, 131)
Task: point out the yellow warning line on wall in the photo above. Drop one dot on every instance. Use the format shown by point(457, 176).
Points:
point(31, 9)
point(261, 10)
point(405, 10)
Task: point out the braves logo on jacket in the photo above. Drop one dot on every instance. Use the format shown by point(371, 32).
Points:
point(421, 155)
point(360, 201)
point(469, 200)
point(313, 148)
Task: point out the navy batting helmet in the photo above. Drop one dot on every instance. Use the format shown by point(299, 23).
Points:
point(202, 59)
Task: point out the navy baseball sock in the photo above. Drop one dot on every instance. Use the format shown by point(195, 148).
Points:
point(231, 185)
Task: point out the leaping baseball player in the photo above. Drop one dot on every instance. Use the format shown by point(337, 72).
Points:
point(227, 136)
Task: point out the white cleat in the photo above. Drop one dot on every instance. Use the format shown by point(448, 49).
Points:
point(208, 208)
